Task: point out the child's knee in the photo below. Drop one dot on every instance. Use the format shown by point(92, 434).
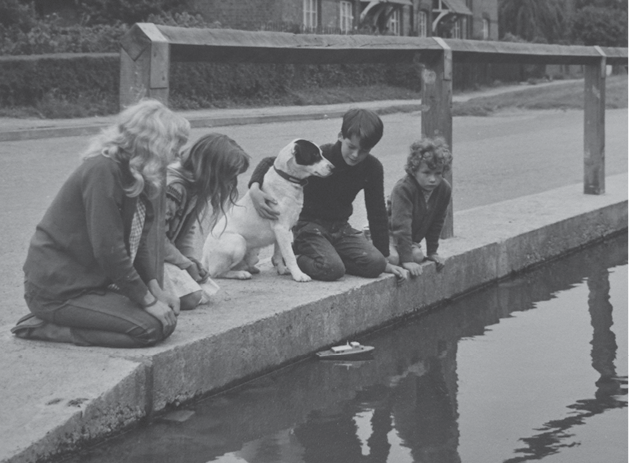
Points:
point(418, 255)
point(190, 301)
point(152, 334)
point(322, 268)
point(394, 258)
point(375, 266)
point(368, 266)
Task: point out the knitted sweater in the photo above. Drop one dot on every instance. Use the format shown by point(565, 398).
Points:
point(413, 219)
point(82, 243)
point(330, 199)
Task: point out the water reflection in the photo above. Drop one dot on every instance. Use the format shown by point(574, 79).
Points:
point(399, 407)
point(553, 434)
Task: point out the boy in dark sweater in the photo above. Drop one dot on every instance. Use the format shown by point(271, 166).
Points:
point(419, 203)
point(326, 245)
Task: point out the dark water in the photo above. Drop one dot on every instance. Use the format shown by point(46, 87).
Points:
point(534, 368)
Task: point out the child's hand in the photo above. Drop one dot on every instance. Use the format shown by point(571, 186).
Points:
point(193, 271)
point(170, 300)
point(165, 315)
point(437, 259)
point(413, 268)
point(202, 272)
point(263, 203)
point(400, 273)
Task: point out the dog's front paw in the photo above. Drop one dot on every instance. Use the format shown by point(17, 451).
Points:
point(282, 270)
point(280, 266)
point(242, 275)
point(301, 277)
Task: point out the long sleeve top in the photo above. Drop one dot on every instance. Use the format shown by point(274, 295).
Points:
point(181, 220)
point(413, 219)
point(82, 243)
point(331, 198)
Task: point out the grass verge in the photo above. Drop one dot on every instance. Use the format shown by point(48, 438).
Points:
point(563, 97)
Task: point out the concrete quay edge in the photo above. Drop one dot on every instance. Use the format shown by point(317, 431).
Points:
point(59, 397)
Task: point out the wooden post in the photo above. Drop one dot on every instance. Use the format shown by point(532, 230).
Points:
point(594, 127)
point(157, 233)
point(144, 65)
point(437, 110)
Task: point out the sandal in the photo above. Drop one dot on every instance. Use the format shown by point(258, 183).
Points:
point(25, 324)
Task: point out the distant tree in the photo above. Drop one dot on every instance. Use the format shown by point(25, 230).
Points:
point(533, 20)
point(612, 4)
point(16, 14)
point(600, 22)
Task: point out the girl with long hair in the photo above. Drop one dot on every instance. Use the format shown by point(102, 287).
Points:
point(201, 184)
point(89, 278)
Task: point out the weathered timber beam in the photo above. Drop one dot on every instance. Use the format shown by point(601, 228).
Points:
point(224, 45)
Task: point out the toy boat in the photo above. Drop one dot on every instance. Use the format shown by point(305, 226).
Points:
point(350, 351)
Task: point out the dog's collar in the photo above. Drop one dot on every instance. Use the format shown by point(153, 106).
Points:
point(290, 178)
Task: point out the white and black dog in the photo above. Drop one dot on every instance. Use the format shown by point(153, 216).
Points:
point(231, 249)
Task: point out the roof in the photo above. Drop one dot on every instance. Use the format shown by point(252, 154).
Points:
point(397, 2)
point(458, 7)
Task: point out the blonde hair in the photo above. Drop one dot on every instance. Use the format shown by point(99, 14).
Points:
point(146, 137)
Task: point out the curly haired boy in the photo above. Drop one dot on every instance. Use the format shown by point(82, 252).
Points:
point(419, 203)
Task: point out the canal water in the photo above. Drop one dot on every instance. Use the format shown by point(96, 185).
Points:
point(532, 368)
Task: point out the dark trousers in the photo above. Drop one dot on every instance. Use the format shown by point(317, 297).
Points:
point(106, 319)
point(328, 250)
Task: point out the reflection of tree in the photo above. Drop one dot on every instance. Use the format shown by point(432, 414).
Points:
point(604, 347)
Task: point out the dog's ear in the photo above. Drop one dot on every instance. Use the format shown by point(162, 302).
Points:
point(306, 153)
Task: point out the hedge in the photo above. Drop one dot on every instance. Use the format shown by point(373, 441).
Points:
point(88, 84)
point(27, 80)
point(94, 79)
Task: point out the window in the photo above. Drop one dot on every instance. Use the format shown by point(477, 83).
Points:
point(310, 14)
point(456, 29)
point(485, 28)
point(347, 17)
point(422, 24)
point(394, 23)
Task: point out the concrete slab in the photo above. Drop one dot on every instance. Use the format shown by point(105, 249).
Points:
point(251, 327)
point(53, 399)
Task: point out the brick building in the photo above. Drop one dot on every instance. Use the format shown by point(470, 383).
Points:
point(466, 19)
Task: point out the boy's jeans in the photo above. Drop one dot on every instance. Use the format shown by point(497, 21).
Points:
point(328, 249)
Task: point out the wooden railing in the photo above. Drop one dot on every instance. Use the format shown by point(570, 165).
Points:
point(148, 49)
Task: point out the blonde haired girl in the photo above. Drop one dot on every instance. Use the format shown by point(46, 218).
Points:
point(89, 279)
